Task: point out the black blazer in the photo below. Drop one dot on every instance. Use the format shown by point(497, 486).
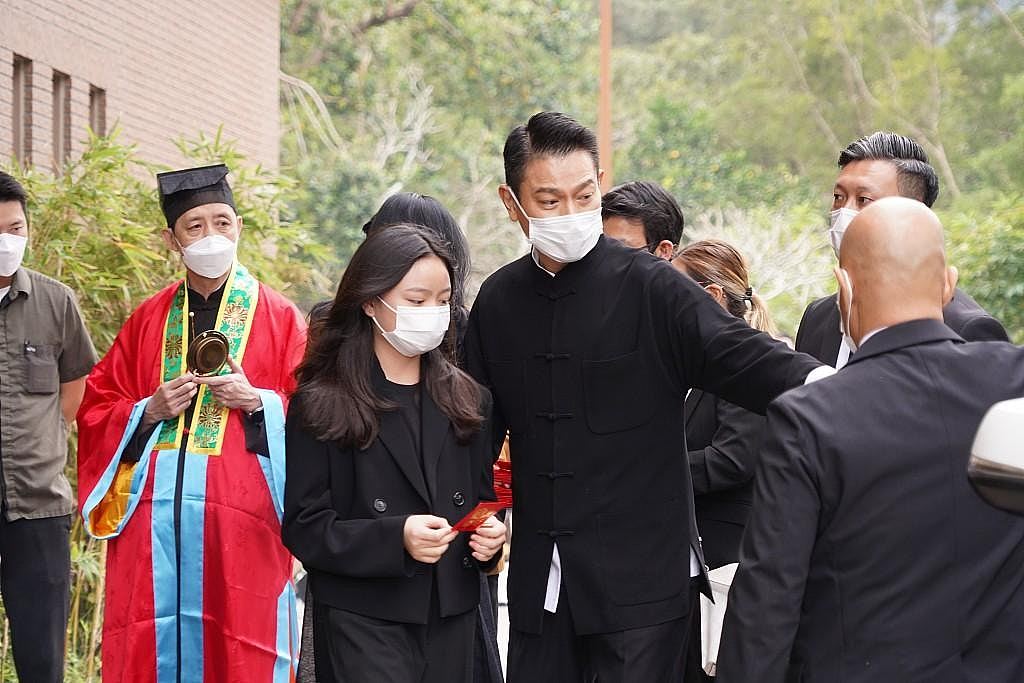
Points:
point(819, 333)
point(589, 370)
point(869, 557)
point(724, 443)
point(345, 512)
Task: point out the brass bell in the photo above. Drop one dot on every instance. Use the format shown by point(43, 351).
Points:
point(207, 354)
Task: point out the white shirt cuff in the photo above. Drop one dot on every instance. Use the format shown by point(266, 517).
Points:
point(819, 372)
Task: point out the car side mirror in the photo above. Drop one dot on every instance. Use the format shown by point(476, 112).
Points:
point(996, 467)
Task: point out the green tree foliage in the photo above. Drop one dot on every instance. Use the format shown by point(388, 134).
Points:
point(740, 111)
point(729, 108)
point(749, 106)
point(419, 96)
point(680, 148)
point(987, 246)
point(95, 228)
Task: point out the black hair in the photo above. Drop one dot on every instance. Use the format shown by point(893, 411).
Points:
point(545, 134)
point(650, 204)
point(915, 177)
point(335, 398)
point(12, 191)
point(425, 211)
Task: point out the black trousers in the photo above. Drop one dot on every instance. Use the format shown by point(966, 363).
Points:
point(486, 658)
point(35, 581)
point(352, 648)
point(639, 655)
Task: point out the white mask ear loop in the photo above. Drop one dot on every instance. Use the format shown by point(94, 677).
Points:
point(847, 333)
point(377, 323)
point(518, 205)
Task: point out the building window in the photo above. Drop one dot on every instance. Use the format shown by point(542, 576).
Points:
point(61, 119)
point(98, 110)
point(21, 99)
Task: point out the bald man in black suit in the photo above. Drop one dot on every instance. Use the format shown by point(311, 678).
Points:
point(868, 556)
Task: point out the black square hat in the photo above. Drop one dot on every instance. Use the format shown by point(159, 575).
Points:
point(191, 187)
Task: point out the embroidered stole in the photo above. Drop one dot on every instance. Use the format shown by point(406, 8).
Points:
point(234, 320)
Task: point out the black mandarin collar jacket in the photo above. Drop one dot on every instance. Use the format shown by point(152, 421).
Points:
point(589, 370)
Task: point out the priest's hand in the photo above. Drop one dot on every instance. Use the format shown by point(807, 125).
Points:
point(426, 537)
point(170, 400)
point(233, 390)
point(488, 539)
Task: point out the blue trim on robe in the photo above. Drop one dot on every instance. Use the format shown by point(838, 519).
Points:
point(138, 477)
point(165, 584)
point(193, 512)
point(193, 540)
point(273, 463)
point(273, 466)
point(287, 636)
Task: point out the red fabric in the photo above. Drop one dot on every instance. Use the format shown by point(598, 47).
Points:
point(503, 481)
point(246, 565)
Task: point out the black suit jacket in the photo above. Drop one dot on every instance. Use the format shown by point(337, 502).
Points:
point(589, 370)
point(345, 512)
point(819, 333)
point(724, 442)
point(869, 557)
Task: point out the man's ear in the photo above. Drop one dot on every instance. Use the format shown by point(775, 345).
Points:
point(240, 225)
point(168, 237)
point(664, 250)
point(952, 277)
point(600, 179)
point(505, 194)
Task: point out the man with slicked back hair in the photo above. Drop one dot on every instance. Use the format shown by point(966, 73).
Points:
point(883, 164)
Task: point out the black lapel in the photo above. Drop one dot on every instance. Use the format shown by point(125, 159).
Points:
point(692, 401)
point(434, 430)
point(394, 434)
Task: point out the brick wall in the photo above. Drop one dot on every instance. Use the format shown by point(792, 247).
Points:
point(168, 68)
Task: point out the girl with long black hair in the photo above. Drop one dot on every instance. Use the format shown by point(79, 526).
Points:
point(388, 445)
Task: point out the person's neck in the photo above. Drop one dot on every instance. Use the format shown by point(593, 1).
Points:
point(549, 264)
point(397, 368)
point(205, 286)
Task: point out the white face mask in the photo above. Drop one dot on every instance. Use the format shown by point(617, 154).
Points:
point(12, 251)
point(844, 321)
point(418, 329)
point(564, 238)
point(209, 257)
point(839, 221)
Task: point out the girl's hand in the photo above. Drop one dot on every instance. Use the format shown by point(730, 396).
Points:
point(488, 539)
point(427, 537)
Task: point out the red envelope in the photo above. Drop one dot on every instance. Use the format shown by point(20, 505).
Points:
point(479, 515)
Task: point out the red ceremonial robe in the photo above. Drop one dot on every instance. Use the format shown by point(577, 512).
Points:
point(233, 618)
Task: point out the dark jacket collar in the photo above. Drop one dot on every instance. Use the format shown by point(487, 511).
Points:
point(906, 334)
point(572, 276)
